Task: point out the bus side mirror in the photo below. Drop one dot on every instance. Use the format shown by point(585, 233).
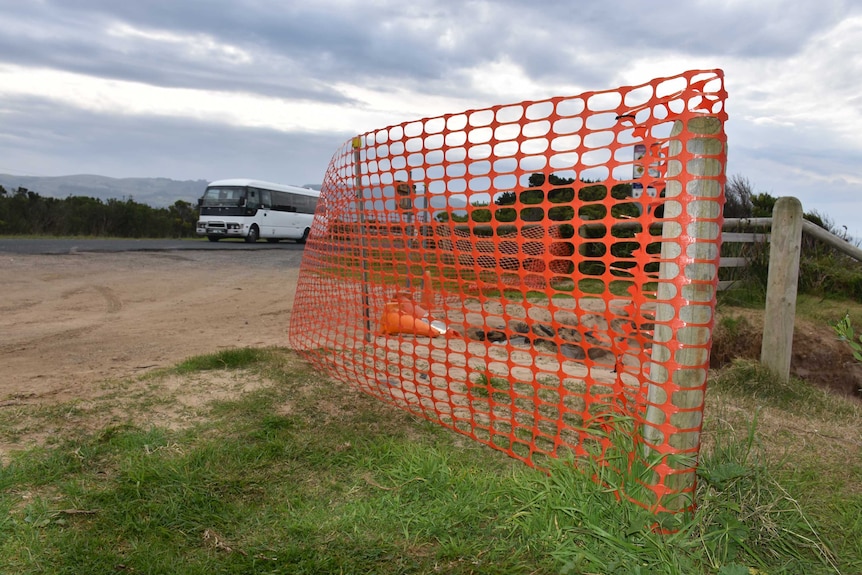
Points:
point(200, 202)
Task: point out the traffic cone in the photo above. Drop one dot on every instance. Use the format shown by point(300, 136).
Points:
point(405, 299)
point(427, 294)
point(397, 319)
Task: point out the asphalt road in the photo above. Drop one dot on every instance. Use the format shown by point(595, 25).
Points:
point(73, 245)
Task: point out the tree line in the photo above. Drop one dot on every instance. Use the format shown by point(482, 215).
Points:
point(741, 201)
point(25, 212)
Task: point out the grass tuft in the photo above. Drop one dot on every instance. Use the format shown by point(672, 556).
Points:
point(748, 378)
point(227, 359)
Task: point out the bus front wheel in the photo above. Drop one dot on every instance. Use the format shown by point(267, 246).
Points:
point(253, 235)
point(304, 237)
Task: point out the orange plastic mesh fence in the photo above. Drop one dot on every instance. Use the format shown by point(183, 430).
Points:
point(538, 276)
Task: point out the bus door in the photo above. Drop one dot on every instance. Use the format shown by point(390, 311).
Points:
point(266, 218)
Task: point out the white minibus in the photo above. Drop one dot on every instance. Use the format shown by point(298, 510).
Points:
point(252, 209)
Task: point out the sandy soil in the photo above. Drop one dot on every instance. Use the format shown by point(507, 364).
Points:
point(70, 322)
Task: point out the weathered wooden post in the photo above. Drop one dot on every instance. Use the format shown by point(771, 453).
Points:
point(784, 250)
point(360, 212)
point(684, 304)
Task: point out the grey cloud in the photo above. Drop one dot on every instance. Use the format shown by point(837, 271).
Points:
point(750, 29)
point(92, 52)
point(292, 45)
point(309, 46)
point(44, 138)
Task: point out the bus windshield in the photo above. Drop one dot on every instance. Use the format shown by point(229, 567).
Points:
point(223, 197)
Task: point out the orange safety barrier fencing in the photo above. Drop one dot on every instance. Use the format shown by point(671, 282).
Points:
point(538, 276)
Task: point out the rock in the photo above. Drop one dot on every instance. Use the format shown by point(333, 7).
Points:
point(601, 356)
point(496, 336)
point(543, 330)
point(475, 333)
point(545, 345)
point(569, 334)
point(573, 351)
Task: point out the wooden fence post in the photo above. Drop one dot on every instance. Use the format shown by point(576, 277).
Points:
point(781, 285)
point(675, 400)
point(360, 210)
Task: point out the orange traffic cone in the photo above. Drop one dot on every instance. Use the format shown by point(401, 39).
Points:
point(405, 317)
point(405, 300)
point(427, 294)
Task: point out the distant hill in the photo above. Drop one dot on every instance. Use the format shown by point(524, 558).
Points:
point(156, 192)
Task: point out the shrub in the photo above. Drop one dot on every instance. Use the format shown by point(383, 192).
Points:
point(844, 329)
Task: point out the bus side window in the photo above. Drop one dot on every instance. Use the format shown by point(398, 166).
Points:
point(265, 199)
point(252, 202)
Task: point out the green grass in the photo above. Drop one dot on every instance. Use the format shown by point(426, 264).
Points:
point(305, 475)
point(227, 359)
point(807, 443)
point(828, 309)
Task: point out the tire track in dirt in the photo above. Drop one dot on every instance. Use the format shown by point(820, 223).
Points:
point(113, 305)
point(113, 302)
point(42, 341)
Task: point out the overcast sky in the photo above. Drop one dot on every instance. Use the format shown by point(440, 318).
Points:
point(270, 89)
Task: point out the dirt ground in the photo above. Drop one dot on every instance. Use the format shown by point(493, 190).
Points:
point(70, 322)
point(818, 356)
